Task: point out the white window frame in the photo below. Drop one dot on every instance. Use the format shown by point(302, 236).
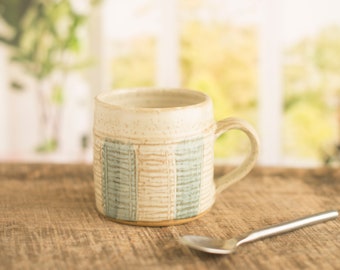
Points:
point(270, 105)
point(4, 108)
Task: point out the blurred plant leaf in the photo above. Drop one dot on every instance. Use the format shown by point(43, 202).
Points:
point(12, 12)
point(46, 35)
point(57, 96)
point(17, 86)
point(47, 146)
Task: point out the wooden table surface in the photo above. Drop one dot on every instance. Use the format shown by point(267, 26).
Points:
point(48, 221)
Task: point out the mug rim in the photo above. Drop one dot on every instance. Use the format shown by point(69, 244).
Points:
point(100, 98)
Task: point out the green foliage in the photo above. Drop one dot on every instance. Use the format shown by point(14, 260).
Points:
point(134, 63)
point(312, 84)
point(307, 129)
point(44, 36)
point(221, 60)
point(327, 48)
point(13, 13)
point(218, 59)
point(225, 53)
point(57, 96)
point(47, 146)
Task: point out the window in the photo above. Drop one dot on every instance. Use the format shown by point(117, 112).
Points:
point(271, 62)
point(252, 57)
point(310, 68)
point(193, 44)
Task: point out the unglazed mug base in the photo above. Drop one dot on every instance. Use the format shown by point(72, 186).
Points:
point(162, 223)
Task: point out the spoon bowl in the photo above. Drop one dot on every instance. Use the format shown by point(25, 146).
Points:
point(210, 245)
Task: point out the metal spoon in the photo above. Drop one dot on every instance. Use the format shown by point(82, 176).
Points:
point(219, 246)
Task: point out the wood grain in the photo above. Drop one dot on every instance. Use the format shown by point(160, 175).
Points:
point(49, 221)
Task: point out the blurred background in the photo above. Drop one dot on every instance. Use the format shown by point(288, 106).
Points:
point(275, 63)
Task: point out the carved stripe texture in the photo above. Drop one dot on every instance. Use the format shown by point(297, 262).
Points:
point(155, 182)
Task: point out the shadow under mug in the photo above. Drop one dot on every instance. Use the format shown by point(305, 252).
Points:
point(154, 155)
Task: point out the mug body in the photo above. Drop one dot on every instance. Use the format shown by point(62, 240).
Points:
point(153, 155)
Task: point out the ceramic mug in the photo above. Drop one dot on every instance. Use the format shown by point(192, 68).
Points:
point(154, 155)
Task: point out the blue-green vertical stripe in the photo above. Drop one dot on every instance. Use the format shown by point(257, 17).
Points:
point(119, 180)
point(189, 159)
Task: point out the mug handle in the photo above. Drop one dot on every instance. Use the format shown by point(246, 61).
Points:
point(242, 170)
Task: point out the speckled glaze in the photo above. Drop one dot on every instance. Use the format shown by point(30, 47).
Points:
point(153, 155)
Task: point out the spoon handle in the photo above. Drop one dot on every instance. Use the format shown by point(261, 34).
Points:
point(287, 226)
